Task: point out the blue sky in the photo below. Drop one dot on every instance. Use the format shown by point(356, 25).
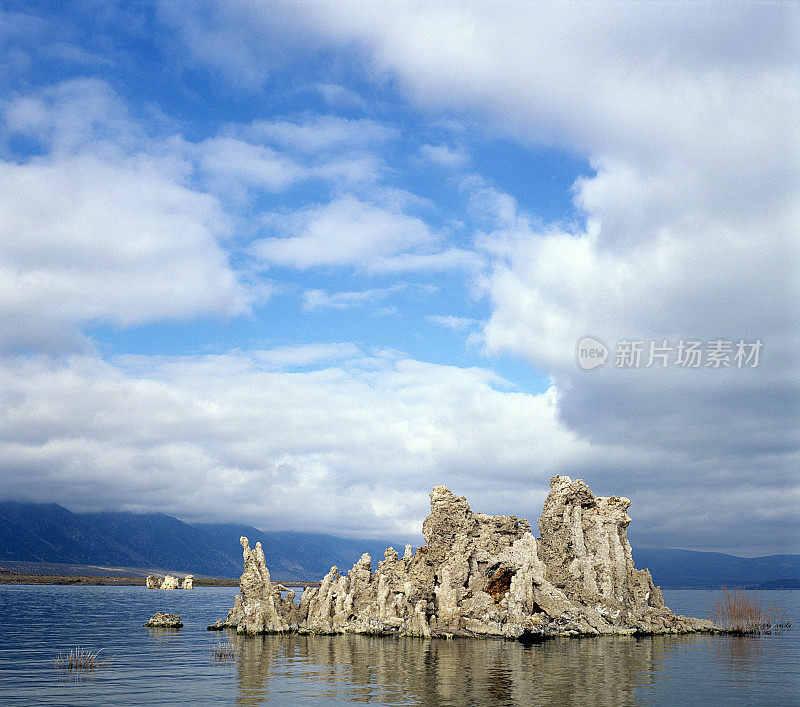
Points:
point(436, 163)
point(294, 264)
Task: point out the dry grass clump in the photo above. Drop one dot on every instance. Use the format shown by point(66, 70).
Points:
point(742, 611)
point(223, 651)
point(80, 659)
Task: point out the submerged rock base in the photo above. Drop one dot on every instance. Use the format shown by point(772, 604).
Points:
point(481, 576)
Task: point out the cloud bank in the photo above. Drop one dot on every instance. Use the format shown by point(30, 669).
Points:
point(684, 227)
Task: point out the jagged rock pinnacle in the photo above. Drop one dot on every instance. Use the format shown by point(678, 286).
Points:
point(479, 575)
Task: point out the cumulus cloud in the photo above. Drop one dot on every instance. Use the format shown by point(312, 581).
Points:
point(352, 441)
point(106, 222)
point(350, 232)
point(93, 230)
point(327, 436)
point(688, 223)
point(83, 240)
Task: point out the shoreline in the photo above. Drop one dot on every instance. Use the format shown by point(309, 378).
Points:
point(122, 581)
point(87, 580)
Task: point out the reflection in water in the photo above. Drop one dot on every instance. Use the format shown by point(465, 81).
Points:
point(177, 666)
point(744, 658)
point(603, 670)
point(740, 653)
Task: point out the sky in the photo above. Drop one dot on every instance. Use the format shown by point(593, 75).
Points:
point(293, 264)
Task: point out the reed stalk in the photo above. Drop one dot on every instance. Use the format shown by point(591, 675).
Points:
point(743, 611)
point(80, 659)
point(223, 651)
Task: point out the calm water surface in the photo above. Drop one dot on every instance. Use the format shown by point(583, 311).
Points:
point(151, 666)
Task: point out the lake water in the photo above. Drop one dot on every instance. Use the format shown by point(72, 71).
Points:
point(150, 666)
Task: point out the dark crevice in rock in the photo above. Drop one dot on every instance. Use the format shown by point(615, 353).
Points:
point(499, 584)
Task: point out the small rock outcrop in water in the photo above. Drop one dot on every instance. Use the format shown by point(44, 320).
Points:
point(478, 575)
point(161, 620)
point(169, 582)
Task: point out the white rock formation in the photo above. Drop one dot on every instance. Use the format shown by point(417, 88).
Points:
point(584, 545)
point(479, 575)
point(169, 582)
point(255, 608)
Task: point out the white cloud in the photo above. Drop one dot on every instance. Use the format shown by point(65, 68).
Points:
point(325, 435)
point(99, 229)
point(242, 437)
point(71, 117)
point(454, 323)
point(83, 240)
point(445, 156)
point(273, 155)
point(224, 36)
point(233, 166)
point(340, 96)
point(351, 232)
point(691, 216)
point(281, 357)
point(320, 300)
point(321, 133)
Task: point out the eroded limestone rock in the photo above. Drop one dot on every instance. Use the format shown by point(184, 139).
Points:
point(584, 545)
point(479, 575)
point(254, 610)
point(169, 582)
point(161, 620)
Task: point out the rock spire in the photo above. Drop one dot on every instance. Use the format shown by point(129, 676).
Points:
point(478, 575)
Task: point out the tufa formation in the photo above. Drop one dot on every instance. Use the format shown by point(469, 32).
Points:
point(478, 575)
point(162, 620)
point(169, 582)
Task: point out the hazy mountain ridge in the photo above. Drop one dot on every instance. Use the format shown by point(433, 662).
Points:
point(687, 569)
point(49, 533)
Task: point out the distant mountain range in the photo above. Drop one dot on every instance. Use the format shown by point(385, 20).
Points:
point(49, 533)
point(688, 569)
point(35, 534)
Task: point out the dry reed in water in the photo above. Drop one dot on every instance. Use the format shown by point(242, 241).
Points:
point(223, 651)
point(80, 659)
point(742, 611)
